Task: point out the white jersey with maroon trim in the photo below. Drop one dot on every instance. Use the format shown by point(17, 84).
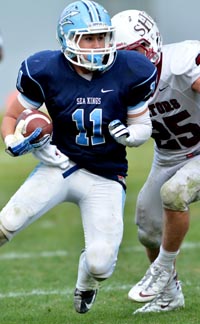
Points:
point(175, 107)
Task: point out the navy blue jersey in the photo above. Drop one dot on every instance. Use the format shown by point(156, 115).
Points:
point(81, 110)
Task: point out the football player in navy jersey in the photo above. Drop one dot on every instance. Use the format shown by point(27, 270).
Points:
point(97, 99)
point(173, 182)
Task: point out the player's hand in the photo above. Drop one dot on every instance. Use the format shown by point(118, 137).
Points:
point(17, 144)
point(42, 142)
point(118, 131)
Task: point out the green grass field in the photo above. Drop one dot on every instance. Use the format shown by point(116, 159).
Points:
point(39, 266)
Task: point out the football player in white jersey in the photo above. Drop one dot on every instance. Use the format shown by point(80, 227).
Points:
point(162, 210)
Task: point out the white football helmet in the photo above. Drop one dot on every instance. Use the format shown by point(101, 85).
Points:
point(86, 18)
point(135, 28)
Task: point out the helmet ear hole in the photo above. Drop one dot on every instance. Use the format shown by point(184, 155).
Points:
point(86, 18)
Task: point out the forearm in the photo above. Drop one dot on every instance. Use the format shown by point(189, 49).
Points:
point(139, 127)
point(139, 134)
point(10, 117)
point(7, 126)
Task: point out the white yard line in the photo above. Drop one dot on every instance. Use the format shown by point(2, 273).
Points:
point(27, 255)
point(51, 254)
point(68, 292)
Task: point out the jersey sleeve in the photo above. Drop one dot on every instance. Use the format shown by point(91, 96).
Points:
point(145, 89)
point(146, 84)
point(186, 60)
point(28, 85)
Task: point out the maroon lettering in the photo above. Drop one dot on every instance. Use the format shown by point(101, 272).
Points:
point(144, 24)
point(175, 132)
point(163, 107)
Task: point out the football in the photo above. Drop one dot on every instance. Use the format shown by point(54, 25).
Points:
point(33, 119)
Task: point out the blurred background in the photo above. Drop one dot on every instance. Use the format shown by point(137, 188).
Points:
point(28, 26)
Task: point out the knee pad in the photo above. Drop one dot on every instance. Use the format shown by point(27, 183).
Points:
point(100, 260)
point(14, 216)
point(149, 240)
point(174, 196)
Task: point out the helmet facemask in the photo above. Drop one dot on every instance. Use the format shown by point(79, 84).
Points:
point(143, 44)
point(91, 59)
point(82, 18)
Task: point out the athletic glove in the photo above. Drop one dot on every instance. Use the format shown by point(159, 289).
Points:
point(17, 144)
point(42, 142)
point(118, 131)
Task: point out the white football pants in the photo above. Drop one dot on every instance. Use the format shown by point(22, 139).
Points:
point(181, 184)
point(101, 203)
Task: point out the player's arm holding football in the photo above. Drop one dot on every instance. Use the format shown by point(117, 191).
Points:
point(16, 143)
point(10, 117)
